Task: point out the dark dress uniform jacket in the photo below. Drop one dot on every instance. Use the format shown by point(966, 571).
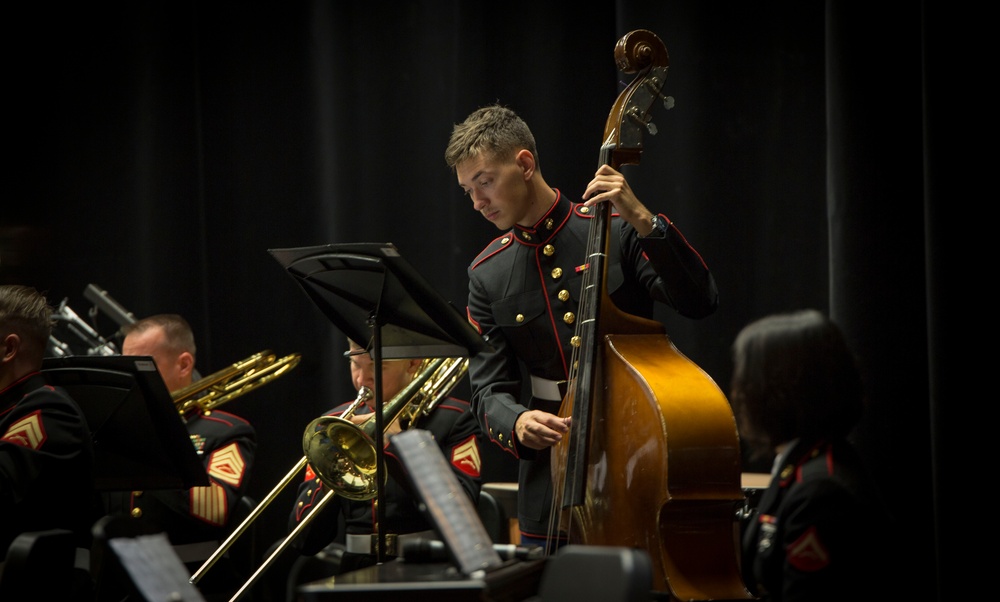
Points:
point(226, 444)
point(46, 463)
point(820, 531)
point(456, 432)
point(198, 519)
point(524, 293)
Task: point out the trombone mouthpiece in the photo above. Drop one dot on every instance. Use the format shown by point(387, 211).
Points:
point(364, 394)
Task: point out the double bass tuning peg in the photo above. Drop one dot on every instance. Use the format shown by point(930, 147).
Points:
point(656, 87)
point(645, 120)
point(653, 86)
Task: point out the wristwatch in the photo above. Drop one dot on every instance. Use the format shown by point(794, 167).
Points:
point(659, 227)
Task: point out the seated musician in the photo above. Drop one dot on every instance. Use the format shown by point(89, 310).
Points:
point(46, 454)
point(195, 520)
point(821, 530)
point(350, 526)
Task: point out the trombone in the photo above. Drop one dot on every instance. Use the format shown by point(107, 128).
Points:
point(209, 392)
point(343, 454)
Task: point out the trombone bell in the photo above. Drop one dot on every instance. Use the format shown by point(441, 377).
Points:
point(344, 455)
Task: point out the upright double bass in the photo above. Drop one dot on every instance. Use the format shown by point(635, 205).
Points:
point(652, 460)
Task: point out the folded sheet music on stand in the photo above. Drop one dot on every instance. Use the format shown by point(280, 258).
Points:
point(155, 569)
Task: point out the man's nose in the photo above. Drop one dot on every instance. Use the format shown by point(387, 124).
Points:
point(478, 201)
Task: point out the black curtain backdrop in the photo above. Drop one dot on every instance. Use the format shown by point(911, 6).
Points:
point(161, 148)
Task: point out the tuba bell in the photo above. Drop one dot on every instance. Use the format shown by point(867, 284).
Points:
point(209, 392)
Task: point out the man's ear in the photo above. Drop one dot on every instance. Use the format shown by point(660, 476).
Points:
point(185, 363)
point(526, 161)
point(11, 344)
point(414, 366)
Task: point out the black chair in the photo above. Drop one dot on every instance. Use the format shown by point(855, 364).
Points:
point(147, 567)
point(244, 550)
point(494, 518)
point(578, 573)
point(40, 565)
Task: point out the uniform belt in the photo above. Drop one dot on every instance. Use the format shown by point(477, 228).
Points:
point(543, 388)
point(367, 543)
point(196, 552)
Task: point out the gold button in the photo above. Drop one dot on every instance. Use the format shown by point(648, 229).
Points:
point(569, 318)
point(563, 295)
point(136, 494)
point(575, 341)
point(557, 272)
point(505, 239)
point(584, 209)
point(301, 504)
point(526, 235)
point(500, 437)
point(549, 250)
point(136, 512)
point(549, 224)
point(519, 318)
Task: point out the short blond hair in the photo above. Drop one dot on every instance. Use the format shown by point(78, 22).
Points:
point(494, 130)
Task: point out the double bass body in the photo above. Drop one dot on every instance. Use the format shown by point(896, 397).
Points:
point(664, 469)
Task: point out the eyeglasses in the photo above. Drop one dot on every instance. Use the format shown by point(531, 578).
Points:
point(363, 359)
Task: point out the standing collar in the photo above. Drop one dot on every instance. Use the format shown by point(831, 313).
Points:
point(545, 228)
point(19, 388)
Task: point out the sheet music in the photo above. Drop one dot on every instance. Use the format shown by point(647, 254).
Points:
point(155, 568)
point(449, 508)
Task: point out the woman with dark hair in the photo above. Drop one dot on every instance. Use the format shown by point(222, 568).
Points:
point(820, 530)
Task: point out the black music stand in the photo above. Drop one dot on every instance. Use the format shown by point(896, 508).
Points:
point(445, 504)
point(140, 441)
point(375, 296)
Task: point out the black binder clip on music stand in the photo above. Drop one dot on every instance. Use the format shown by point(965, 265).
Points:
point(372, 294)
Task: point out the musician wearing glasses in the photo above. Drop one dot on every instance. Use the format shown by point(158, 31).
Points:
point(349, 524)
point(196, 520)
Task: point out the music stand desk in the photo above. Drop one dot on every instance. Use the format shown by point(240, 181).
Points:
point(515, 580)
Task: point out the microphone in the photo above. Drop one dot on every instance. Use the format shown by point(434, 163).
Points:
point(433, 550)
point(98, 344)
point(105, 303)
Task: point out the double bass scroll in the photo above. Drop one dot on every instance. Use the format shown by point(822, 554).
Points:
point(652, 460)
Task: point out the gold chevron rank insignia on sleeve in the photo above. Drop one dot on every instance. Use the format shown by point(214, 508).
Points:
point(465, 457)
point(27, 432)
point(227, 464)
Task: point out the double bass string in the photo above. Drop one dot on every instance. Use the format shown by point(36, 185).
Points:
point(564, 477)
